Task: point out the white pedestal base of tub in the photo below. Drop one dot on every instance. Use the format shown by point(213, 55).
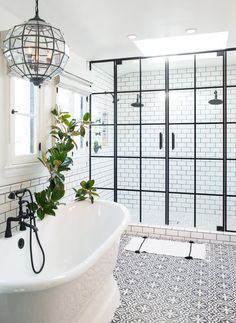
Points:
point(77, 283)
point(103, 307)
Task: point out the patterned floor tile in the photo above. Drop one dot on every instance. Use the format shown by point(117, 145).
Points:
point(165, 289)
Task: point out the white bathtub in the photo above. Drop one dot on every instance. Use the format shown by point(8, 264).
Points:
point(76, 284)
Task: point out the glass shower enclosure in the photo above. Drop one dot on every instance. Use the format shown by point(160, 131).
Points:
point(163, 137)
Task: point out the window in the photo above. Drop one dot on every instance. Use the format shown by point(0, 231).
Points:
point(24, 116)
point(76, 104)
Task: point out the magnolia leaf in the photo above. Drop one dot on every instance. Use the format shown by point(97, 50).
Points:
point(40, 214)
point(86, 117)
point(82, 131)
point(75, 133)
point(57, 194)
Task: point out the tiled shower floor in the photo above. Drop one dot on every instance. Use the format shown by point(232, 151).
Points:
point(164, 289)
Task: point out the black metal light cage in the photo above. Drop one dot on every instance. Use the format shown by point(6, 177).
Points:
point(36, 50)
point(166, 191)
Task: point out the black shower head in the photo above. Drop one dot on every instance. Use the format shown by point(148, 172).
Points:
point(137, 104)
point(215, 101)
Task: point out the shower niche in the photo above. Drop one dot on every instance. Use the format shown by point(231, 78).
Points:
point(171, 129)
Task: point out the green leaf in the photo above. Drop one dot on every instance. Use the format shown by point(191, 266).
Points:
point(33, 207)
point(60, 134)
point(49, 211)
point(90, 183)
point(57, 194)
point(40, 197)
point(95, 194)
point(83, 184)
point(75, 133)
point(86, 117)
point(87, 190)
point(55, 111)
point(40, 214)
point(65, 115)
point(82, 131)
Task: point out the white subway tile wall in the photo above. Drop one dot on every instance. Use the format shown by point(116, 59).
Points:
point(127, 170)
point(132, 201)
point(73, 178)
point(209, 143)
point(102, 171)
point(153, 208)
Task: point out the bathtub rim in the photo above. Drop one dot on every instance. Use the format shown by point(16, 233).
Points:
point(37, 283)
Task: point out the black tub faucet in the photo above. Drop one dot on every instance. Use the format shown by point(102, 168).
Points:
point(22, 216)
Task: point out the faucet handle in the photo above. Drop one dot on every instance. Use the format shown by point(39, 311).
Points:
point(28, 225)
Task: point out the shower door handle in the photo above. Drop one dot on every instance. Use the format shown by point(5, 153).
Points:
point(173, 141)
point(160, 140)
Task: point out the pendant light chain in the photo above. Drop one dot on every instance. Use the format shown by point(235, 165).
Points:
point(37, 7)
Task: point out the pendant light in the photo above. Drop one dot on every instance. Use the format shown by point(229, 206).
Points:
point(36, 50)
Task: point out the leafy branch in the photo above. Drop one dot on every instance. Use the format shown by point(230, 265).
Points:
point(57, 161)
point(87, 190)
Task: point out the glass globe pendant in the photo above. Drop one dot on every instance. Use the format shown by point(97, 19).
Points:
point(36, 50)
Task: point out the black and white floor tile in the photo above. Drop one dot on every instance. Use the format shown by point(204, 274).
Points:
point(165, 289)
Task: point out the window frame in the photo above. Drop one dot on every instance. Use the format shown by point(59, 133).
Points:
point(13, 159)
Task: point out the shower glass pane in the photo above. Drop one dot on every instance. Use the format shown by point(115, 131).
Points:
point(128, 173)
point(153, 110)
point(209, 176)
point(153, 141)
point(102, 109)
point(231, 104)
point(128, 141)
point(102, 171)
point(128, 77)
point(231, 141)
point(131, 200)
point(231, 177)
point(153, 208)
point(103, 77)
point(106, 194)
point(153, 73)
point(153, 174)
point(206, 112)
point(231, 67)
point(181, 141)
point(181, 71)
point(231, 213)
point(209, 69)
point(102, 141)
point(126, 113)
point(181, 176)
point(209, 212)
point(181, 210)
point(209, 141)
point(181, 106)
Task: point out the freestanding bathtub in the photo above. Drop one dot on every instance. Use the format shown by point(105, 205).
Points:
point(76, 284)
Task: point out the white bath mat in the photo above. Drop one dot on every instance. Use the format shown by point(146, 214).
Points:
point(167, 247)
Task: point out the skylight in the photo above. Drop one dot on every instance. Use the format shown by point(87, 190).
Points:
point(182, 44)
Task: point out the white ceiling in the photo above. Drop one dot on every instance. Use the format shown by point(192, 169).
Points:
point(97, 29)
